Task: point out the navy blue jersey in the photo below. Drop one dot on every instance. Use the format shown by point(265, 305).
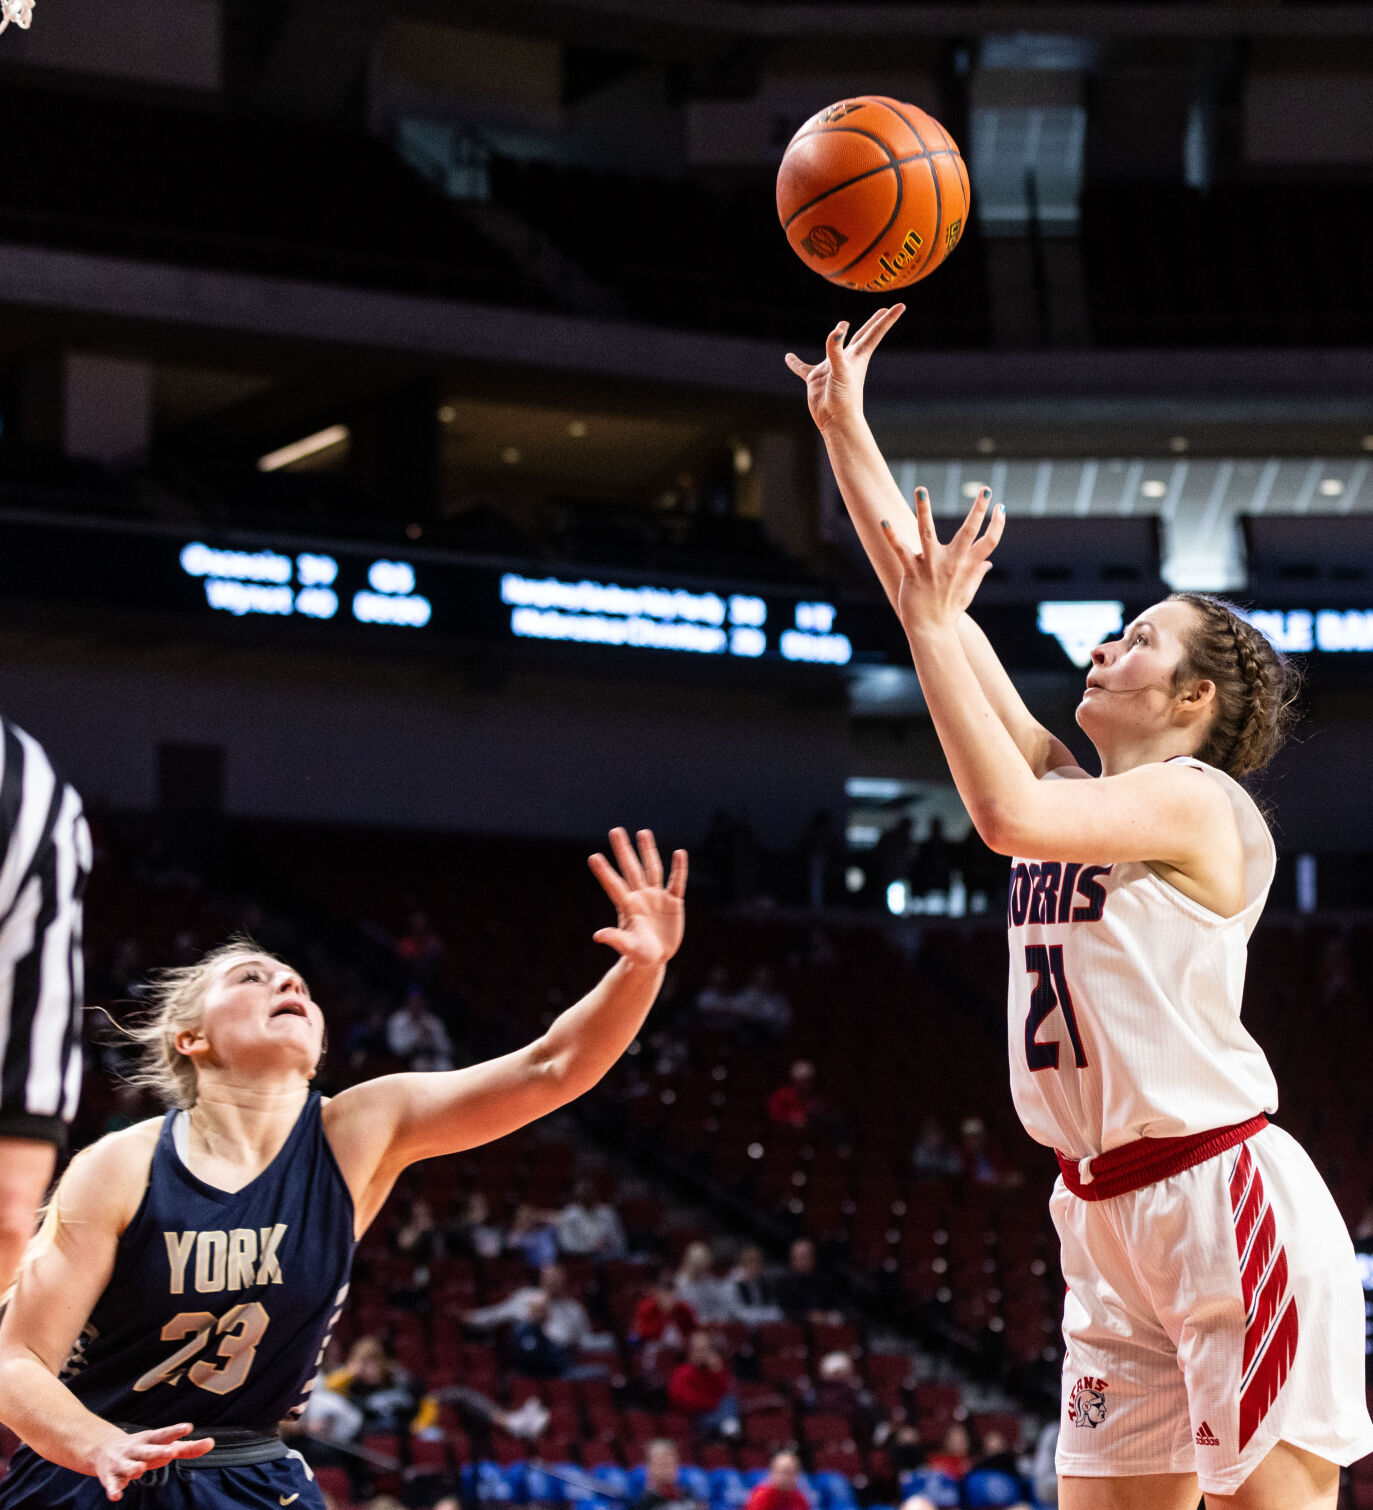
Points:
point(220, 1306)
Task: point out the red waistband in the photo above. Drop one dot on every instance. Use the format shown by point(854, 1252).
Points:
point(1148, 1160)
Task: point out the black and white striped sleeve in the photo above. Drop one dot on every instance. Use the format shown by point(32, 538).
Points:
point(45, 858)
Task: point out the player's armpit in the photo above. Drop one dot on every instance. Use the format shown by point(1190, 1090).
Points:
point(1155, 813)
point(379, 1127)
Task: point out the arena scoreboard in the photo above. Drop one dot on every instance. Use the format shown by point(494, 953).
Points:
point(304, 591)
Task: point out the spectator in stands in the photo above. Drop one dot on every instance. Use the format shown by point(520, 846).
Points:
point(997, 1454)
point(900, 1436)
point(533, 1351)
point(934, 1156)
point(588, 1228)
point(980, 1163)
point(480, 1413)
point(891, 859)
point(419, 948)
point(534, 1234)
point(565, 1319)
point(367, 1038)
point(715, 1000)
point(703, 1388)
point(1044, 1472)
point(933, 861)
point(386, 1396)
point(797, 1104)
point(662, 1316)
point(419, 1239)
point(476, 1233)
point(661, 1489)
point(838, 1391)
point(415, 1034)
point(422, 1242)
point(802, 1290)
point(955, 1452)
point(370, 1393)
point(697, 1284)
point(763, 1005)
point(781, 1489)
point(753, 1296)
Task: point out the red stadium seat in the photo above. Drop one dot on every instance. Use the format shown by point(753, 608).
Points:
point(334, 1483)
point(768, 1428)
point(824, 1430)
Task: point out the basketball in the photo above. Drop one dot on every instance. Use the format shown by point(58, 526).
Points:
point(873, 194)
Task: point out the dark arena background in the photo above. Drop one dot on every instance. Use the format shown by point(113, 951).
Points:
point(400, 483)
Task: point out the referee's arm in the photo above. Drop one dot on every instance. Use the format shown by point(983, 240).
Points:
point(26, 1166)
point(45, 857)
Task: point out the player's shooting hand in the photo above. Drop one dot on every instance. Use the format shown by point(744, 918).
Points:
point(650, 917)
point(130, 1456)
point(939, 582)
point(834, 386)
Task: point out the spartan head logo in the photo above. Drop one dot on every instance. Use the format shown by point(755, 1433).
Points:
point(1087, 1403)
point(823, 241)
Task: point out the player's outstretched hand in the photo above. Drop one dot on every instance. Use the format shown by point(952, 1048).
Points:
point(651, 917)
point(129, 1457)
point(939, 582)
point(834, 386)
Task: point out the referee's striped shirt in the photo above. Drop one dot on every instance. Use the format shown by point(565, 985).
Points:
point(45, 857)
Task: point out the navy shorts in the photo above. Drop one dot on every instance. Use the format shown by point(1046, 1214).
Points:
point(33, 1483)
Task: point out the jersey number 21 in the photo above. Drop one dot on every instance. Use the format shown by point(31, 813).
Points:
point(1050, 994)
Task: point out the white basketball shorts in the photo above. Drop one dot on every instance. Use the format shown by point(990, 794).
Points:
point(1208, 1317)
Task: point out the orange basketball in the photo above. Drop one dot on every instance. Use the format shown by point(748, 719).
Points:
point(872, 194)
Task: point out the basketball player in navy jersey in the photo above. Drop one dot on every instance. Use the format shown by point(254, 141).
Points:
point(190, 1269)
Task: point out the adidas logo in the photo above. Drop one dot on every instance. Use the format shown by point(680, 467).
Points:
point(1205, 1437)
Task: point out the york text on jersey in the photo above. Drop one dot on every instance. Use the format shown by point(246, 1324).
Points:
point(233, 1260)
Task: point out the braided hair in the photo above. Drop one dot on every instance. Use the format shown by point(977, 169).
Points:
point(1256, 686)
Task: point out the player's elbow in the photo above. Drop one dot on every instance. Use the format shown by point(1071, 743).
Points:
point(998, 826)
point(561, 1072)
point(550, 1072)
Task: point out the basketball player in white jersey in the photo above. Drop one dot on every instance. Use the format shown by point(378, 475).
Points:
point(1214, 1317)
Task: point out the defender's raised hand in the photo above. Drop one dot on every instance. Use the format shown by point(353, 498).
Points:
point(834, 386)
point(938, 582)
point(651, 917)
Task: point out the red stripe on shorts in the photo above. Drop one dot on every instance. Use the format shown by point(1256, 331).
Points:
point(1260, 1251)
point(1270, 1375)
point(1239, 1179)
point(1247, 1214)
point(1270, 1299)
point(1270, 1338)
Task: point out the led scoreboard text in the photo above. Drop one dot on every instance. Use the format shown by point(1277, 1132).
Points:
point(331, 589)
point(270, 582)
point(659, 618)
point(267, 582)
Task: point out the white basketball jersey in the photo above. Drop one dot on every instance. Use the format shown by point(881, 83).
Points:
point(1124, 999)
